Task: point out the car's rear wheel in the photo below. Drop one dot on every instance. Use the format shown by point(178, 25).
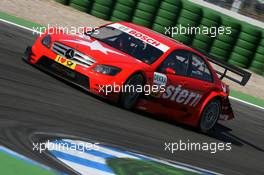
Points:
point(210, 116)
point(129, 98)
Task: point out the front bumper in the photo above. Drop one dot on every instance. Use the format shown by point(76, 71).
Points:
point(27, 54)
point(82, 77)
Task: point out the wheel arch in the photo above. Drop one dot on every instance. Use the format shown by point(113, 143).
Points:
point(138, 72)
point(212, 96)
point(120, 97)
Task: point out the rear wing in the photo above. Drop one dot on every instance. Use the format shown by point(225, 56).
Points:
point(231, 72)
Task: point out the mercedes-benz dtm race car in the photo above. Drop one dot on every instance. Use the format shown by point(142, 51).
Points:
point(119, 60)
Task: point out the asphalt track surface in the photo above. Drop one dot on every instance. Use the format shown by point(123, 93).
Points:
point(32, 101)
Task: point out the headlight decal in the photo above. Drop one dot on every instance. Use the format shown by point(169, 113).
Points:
point(46, 41)
point(107, 70)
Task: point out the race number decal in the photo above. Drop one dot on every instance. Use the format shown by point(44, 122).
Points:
point(65, 62)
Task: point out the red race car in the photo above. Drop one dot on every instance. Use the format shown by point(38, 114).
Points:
point(139, 68)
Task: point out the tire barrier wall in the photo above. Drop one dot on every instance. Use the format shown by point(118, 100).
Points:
point(244, 47)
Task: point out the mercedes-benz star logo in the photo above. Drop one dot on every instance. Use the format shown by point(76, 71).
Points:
point(69, 53)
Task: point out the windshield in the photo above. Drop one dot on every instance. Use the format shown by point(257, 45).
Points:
point(128, 44)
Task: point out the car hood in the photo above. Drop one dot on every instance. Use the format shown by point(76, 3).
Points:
point(96, 49)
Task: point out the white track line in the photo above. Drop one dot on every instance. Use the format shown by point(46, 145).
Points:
point(242, 101)
point(17, 25)
point(26, 28)
point(84, 169)
point(104, 150)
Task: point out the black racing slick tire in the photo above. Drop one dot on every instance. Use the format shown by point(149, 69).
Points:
point(210, 116)
point(129, 98)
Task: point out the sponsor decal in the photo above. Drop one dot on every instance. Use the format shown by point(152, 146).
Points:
point(94, 45)
point(144, 38)
point(140, 36)
point(182, 96)
point(160, 80)
point(65, 62)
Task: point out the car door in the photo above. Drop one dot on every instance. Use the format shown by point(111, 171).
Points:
point(200, 78)
point(175, 67)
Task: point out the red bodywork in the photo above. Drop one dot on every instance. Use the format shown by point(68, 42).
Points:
point(181, 111)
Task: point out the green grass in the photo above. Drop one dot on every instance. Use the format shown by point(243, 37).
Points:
point(125, 166)
point(10, 165)
point(19, 21)
point(247, 98)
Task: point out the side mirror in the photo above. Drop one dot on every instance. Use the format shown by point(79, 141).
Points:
point(170, 71)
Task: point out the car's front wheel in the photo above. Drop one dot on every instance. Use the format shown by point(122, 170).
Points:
point(129, 97)
point(210, 116)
